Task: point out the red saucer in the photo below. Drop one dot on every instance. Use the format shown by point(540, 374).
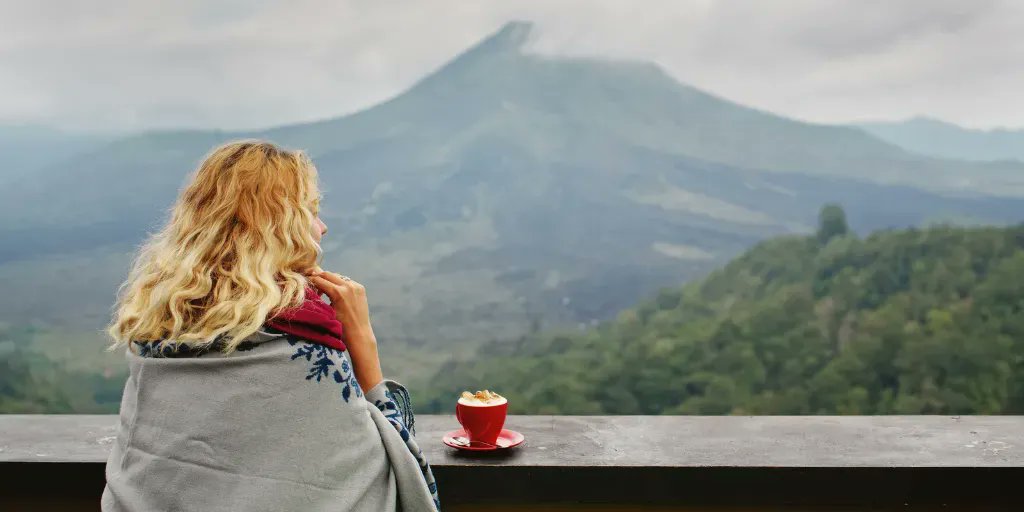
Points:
point(506, 439)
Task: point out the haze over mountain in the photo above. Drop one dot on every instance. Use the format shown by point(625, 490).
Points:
point(506, 189)
point(937, 138)
point(26, 148)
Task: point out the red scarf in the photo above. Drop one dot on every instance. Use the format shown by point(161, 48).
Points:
point(314, 320)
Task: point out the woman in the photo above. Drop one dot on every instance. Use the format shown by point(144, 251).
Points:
point(246, 390)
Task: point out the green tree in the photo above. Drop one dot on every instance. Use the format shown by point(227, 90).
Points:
point(831, 223)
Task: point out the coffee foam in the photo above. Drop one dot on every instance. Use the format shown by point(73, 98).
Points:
point(479, 403)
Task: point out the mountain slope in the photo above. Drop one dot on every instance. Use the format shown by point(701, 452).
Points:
point(902, 322)
point(944, 140)
point(565, 106)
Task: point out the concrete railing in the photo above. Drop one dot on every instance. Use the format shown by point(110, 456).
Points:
point(765, 462)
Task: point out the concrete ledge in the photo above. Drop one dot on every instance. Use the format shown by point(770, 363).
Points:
point(672, 460)
point(635, 441)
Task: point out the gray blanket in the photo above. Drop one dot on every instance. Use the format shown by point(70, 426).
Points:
point(281, 424)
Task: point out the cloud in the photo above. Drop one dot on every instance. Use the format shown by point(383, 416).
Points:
point(130, 65)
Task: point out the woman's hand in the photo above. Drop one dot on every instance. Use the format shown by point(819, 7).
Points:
point(348, 298)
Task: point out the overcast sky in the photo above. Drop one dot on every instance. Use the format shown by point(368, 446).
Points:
point(139, 64)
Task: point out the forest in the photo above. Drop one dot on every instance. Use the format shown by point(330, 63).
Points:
point(916, 321)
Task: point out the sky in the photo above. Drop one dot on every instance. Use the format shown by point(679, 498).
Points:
point(126, 65)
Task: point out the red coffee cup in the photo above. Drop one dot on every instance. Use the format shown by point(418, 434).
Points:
point(482, 421)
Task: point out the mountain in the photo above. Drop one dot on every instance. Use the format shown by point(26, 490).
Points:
point(940, 139)
point(497, 98)
point(503, 191)
point(901, 322)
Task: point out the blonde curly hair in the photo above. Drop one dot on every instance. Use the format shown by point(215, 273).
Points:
point(235, 251)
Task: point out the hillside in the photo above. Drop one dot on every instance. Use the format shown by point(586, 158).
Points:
point(939, 139)
point(901, 322)
point(505, 190)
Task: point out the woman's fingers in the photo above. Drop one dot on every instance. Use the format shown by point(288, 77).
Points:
point(327, 287)
point(322, 284)
point(342, 282)
point(334, 278)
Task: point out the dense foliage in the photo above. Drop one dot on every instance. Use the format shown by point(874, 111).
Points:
point(922, 321)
